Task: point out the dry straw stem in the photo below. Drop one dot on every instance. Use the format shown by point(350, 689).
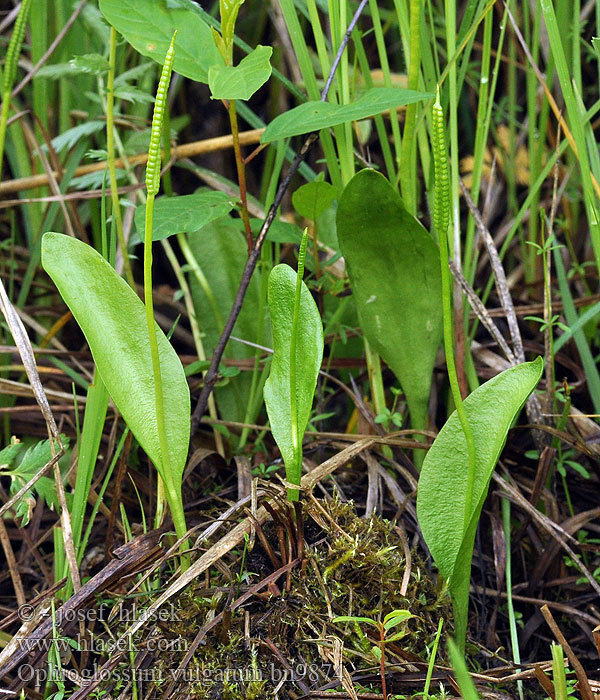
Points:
point(187, 150)
point(584, 686)
point(533, 408)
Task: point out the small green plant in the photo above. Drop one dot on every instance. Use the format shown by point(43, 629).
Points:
point(146, 380)
point(383, 627)
point(298, 351)
point(20, 463)
point(390, 416)
point(441, 499)
point(263, 471)
point(59, 645)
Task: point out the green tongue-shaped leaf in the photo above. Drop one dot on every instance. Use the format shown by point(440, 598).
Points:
point(113, 320)
point(441, 506)
point(394, 269)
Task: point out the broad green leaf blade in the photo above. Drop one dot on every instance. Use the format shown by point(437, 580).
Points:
point(315, 115)
point(242, 81)
point(490, 409)
point(313, 199)
point(113, 320)
point(187, 213)
point(394, 269)
point(309, 353)
point(148, 26)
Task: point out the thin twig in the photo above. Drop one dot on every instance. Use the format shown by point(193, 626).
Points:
point(482, 313)
point(212, 373)
point(557, 532)
point(584, 685)
point(499, 276)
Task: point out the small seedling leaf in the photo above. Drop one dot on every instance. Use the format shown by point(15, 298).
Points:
point(351, 618)
point(113, 320)
point(242, 81)
point(316, 115)
point(313, 199)
point(395, 618)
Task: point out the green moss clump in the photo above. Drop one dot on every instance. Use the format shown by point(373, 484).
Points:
point(354, 566)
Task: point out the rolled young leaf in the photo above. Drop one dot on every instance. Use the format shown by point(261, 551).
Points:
point(186, 213)
point(490, 409)
point(113, 320)
point(309, 353)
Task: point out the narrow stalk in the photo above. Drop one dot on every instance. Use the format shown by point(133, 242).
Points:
point(149, 304)
point(431, 663)
point(4, 121)
point(159, 514)
point(241, 172)
point(514, 637)
point(441, 219)
point(382, 660)
point(110, 156)
point(172, 493)
point(294, 494)
point(10, 68)
point(375, 379)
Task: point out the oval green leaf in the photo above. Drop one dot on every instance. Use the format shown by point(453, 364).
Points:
point(313, 199)
point(242, 81)
point(187, 213)
point(309, 353)
point(315, 115)
point(491, 410)
point(113, 320)
point(148, 26)
point(394, 269)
